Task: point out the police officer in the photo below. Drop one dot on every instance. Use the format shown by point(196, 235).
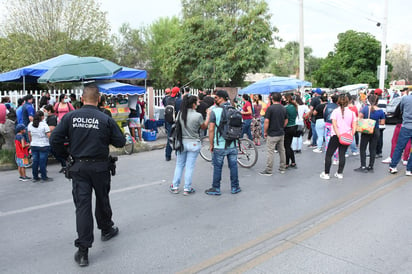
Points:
point(90, 132)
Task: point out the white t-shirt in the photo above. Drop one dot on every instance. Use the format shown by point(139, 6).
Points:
point(39, 135)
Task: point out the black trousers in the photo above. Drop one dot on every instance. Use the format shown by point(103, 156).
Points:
point(332, 146)
point(289, 134)
point(372, 141)
point(87, 177)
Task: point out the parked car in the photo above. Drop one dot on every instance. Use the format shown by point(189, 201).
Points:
point(390, 110)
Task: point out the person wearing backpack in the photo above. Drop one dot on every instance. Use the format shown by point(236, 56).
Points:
point(172, 106)
point(220, 146)
point(190, 122)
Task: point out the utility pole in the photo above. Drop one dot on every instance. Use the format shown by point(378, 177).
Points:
point(301, 45)
point(383, 47)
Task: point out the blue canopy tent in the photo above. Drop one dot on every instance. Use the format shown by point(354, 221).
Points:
point(32, 72)
point(116, 88)
point(127, 73)
point(274, 84)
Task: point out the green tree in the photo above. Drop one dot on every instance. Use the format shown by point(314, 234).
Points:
point(401, 59)
point(162, 38)
point(48, 28)
point(354, 60)
point(131, 47)
point(222, 40)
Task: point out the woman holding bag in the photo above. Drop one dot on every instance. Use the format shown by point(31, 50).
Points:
point(190, 121)
point(343, 126)
point(375, 113)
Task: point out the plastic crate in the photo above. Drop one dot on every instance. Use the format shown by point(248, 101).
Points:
point(149, 135)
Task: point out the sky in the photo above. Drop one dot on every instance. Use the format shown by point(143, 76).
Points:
point(323, 19)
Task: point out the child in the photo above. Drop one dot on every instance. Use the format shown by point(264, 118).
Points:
point(22, 152)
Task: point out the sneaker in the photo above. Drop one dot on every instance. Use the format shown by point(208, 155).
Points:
point(81, 257)
point(393, 170)
point(370, 169)
point(27, 177)
point(47, 179)
point(112, 232)
point(282, 171)
point(174, 190)
point(189, 191)
point(408, 173)
point(265, 173)
point(307, 142)
point(404, 163)
point(213, 191)
point(293, 165)
point(236, 190)
point(355, 153)
point(339, 175)
point(361, 169)
point(23, 179)
point(316, 150)
point(387, 160)
point(324, 176)
point(346, 155)
point(34, 180)
point(335, 162)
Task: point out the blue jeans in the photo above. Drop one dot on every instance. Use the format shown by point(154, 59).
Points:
point(246, 129)
point(168, 149)
point(40, 155)
point(186, 158)
point(320, 132)
point(314, 134)
point(218, 159)
point(404, 136)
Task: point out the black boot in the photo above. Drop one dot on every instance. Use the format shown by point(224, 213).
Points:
point(108, 234)
point(81, 256)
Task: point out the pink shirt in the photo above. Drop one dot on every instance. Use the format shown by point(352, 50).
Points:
point(344, 123)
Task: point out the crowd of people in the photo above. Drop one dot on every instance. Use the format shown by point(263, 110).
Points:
point(331, 122)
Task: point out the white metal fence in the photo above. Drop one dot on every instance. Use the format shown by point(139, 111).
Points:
point(14, 95)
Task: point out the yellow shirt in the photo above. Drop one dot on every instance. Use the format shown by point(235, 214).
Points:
point(263, 110)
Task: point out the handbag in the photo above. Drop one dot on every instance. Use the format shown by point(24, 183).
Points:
point(366, 126)
point(346, 139)
point(175, 135)
point(299, 131)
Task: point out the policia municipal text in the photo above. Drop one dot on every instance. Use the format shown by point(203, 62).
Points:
point(90, 132)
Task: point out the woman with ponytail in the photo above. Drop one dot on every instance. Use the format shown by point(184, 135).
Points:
point(290, 130)
point(191, 122)
point(375, 113)
point(39, 133)
point(343, 121)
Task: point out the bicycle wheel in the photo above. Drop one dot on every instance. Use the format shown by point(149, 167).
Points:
point(129, 145)
point(247, 153)
point(205, 149)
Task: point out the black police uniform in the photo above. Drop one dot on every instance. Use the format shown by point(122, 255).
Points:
point(90, 132)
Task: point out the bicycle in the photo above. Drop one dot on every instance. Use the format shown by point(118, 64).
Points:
point(247, 152)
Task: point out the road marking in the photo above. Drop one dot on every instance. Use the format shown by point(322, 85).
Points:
point(317, 228)
point(265, 237)
point(33, 208)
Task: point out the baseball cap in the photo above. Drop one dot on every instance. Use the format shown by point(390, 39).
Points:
point(378, 91)
point(175, 91)
point(318, 91)
point(20, 127)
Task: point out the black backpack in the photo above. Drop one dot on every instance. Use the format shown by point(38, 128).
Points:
point(170, 112)
point(175, 136)
point(231, 125)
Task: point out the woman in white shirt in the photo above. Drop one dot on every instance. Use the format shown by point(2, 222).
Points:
point(39, 133)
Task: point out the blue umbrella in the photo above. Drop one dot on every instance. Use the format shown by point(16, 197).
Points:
point(274, 84)
point(116, 88)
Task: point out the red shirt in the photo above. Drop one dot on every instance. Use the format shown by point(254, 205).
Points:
point(245, 106)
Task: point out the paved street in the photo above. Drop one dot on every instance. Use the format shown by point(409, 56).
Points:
point(287, 223)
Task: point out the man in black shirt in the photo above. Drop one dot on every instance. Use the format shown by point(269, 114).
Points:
point(90, 132)
point(275, 122)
